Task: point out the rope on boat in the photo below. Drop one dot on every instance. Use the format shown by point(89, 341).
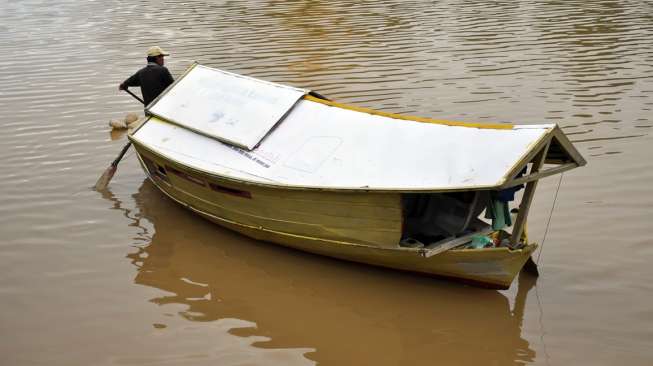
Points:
point(550, 215)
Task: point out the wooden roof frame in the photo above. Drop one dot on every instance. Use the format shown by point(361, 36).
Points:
point(555, 137)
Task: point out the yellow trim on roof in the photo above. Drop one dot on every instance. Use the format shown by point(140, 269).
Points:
point(492, 126)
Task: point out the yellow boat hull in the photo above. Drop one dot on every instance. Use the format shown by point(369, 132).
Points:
point(356, 226)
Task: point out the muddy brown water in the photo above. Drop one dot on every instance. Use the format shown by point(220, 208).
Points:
point(127, 277)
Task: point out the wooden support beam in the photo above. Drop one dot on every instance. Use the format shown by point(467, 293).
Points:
point(527, 198)
point(517, 168)
point(539, 175)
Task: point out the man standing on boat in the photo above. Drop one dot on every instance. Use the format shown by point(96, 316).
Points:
point(153, 79)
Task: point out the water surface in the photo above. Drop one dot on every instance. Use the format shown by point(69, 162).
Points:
point(128, 277)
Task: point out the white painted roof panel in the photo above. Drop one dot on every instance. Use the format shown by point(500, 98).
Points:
point(226, 106)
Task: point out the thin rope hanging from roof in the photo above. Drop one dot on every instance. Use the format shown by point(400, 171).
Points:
point(555, 198)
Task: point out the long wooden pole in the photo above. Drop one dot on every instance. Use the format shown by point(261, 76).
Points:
point(135, 96)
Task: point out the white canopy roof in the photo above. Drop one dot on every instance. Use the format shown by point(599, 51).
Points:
point(232, 108)
point(325, 145)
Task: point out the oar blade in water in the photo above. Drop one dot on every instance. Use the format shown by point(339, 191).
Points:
point(104, 180)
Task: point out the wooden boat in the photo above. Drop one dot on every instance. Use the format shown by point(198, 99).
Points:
point(279, 164)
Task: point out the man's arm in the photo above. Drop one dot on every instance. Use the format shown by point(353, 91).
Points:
point(133, 80)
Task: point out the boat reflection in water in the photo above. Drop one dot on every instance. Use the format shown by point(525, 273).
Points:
point(348, 313)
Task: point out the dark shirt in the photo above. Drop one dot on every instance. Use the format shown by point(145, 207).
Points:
point(153, 79)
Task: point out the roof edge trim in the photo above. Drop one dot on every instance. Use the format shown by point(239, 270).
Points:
point(492, 126)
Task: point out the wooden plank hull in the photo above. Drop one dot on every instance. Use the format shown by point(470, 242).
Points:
point(356, 226)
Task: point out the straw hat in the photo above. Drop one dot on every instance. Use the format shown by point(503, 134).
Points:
point(156, 51)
